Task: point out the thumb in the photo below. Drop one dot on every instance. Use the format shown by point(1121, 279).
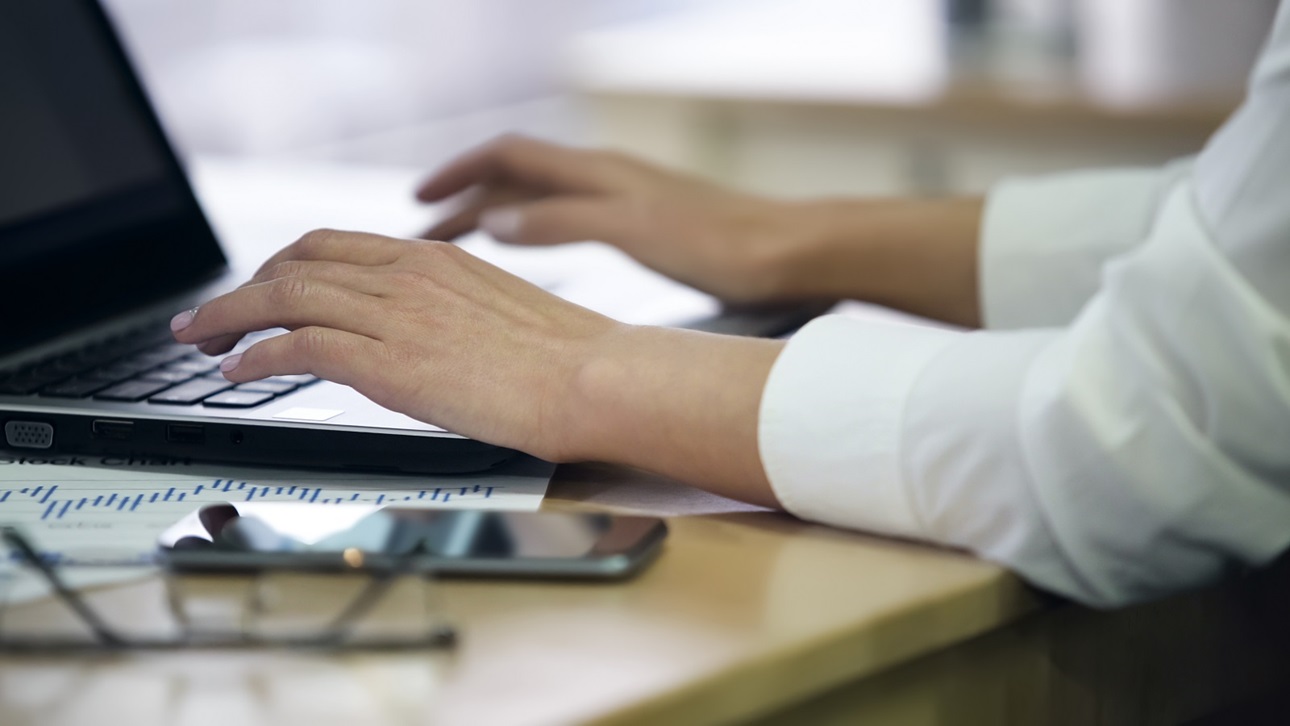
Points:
point(554, 221)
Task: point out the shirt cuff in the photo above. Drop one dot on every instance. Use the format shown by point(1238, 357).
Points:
point(830, 424)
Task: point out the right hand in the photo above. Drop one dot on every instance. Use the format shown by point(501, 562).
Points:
point(529, 192)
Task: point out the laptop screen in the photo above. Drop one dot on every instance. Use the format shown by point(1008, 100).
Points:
point(95, 214)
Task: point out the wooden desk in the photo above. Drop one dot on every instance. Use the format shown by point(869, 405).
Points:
point(747, 615)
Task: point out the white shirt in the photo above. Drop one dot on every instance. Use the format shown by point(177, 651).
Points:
point(1121, 429)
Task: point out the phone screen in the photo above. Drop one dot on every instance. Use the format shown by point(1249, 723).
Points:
point(270, 535)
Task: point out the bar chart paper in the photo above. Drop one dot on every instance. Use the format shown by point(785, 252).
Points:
point(83, 512)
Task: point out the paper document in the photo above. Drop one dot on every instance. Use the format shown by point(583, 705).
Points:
point(82, 511)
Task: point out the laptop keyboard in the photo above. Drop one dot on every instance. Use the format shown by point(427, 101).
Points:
point(144, 365)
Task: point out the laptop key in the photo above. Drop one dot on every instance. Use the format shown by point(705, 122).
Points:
point(187, 394)
point(300, 379)
point(161, 355)
point(170, 376)
point(132, 391)
point(29, 379)
point(196, 364)
point(118, 371)
point(21, 385)
point(238, 399)
point(268, 385)
point(75, 388)
point(69, 364)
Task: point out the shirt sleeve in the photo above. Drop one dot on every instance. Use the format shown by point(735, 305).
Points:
point(1137, 451)
point(1045, 239)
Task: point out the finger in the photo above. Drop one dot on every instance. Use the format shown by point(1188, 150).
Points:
point(520, 160)
point(556, 221)
point(220, 345)
point(355, 277)
point(463, 215)
point(289, 302)
point(335, 355)
point(355, 248)
point(359, 278)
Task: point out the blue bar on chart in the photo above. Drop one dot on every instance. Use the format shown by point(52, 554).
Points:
point(57, 503)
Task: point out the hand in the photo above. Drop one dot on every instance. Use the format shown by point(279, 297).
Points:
point(918, 255)
point(530, 192)
point(427, 329)
point(423, 328)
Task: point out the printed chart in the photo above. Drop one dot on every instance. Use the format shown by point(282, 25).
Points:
point(90, 515)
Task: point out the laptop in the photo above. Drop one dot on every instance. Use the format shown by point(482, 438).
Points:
point(102, 241)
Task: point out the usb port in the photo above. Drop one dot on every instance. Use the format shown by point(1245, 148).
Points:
point(108, 430)
point(186, 433)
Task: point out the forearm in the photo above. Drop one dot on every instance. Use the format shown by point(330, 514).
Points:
point(686, 404)
point(675, 402)
point(918, 255)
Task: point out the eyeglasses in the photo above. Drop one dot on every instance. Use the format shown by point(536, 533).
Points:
point(339, 633)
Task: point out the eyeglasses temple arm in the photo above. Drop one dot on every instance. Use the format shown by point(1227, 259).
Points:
point(102, 631)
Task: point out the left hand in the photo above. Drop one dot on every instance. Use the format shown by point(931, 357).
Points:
point(735, 246)
point(423, 328)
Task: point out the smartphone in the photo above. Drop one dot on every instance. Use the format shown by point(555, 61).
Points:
point(260, 536)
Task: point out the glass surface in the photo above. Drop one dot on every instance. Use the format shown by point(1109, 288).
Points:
point(95, 214)
point(304, 529)
point(70, 131)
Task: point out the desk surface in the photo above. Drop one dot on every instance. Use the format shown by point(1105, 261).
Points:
point(745, 611)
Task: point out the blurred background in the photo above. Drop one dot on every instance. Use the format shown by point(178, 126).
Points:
point(793, 97)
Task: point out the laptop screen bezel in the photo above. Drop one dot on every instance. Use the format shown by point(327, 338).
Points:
point(108, 273)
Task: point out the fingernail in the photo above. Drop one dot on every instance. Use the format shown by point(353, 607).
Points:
point(183, 320)
point(502, 223)
point(230, 362)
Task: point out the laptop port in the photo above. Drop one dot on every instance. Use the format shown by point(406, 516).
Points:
point(29, 434)
point(108, 430)
point(186, 433)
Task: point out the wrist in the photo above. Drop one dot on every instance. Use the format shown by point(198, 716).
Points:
point(679, 403)
point(918, 255)
point(784, 247)
point(835, 249)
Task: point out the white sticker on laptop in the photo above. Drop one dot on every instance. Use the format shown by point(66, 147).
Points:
point(300, 413)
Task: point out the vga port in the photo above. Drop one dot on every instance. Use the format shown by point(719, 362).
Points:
point(29, 434)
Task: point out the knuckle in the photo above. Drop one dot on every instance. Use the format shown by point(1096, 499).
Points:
point(310, 342)
point(287, 292)
point(509, 145)
point(508, 140)
point(289, 268)
point(316, 239)
point(408, 279)
point(442, 248)
point(437, 251)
